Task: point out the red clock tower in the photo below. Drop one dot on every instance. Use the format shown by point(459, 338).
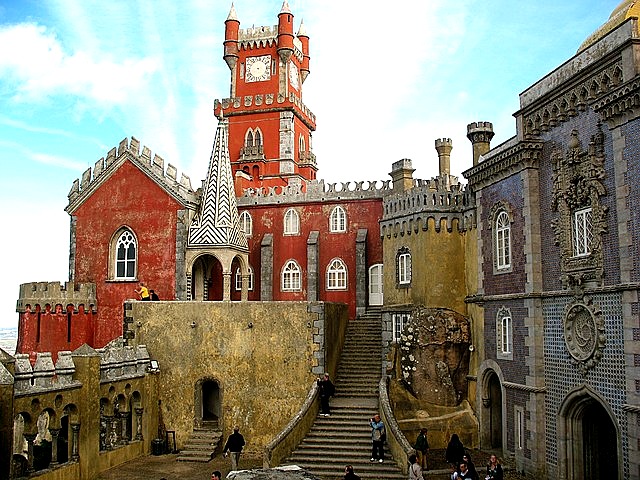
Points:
point(269, 126)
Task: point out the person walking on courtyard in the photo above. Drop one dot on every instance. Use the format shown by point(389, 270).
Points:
point(143, 292)
point(415, 472)
point(378, 436)
point(455, 451)
point(327, 390)
point(216, 475)
point(349, 474)
point(422, 447)
point(234, 446)
point(494, 469)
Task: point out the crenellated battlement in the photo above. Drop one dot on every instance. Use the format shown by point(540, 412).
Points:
point(264, 36)
point(315, 190)
point(153, 165)
point(118, 360)
point(54, 293)
point(230, 105)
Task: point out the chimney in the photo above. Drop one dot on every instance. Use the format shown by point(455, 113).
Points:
point(402, 175)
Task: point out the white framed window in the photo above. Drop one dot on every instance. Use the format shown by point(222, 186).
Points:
point(301, 146)
point(582, 232)
point(337, 275)
point(239, 279)
point(399, 320)
point(253, 138)
point(403, 263)
point(520, 427)
point(246, 223)
point(338, 220)
point(291, 222)
point(126, 256)
point(291, 277)
point(248, 138)
point(504, 334)
point(503, 241)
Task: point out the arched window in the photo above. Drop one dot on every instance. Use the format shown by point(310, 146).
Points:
point(258, 138)
point(291, 222)
point(301, 146)
point(337, 275)
point(126, 256)
point(246, 223)
point(291, 277)
point(504, 334)
point(403, 266)
point(248, 139)
point(338, 220)
point(239, 279)
point(503, 241)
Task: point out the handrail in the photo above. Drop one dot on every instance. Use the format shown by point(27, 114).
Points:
point(398, 444)
point(294, 432)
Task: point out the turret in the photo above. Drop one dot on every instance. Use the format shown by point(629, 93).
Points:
point(231, 28)
point(480, 135)
point(402, 175)
point(444, 147)
point(304, 40)
point(285, 33)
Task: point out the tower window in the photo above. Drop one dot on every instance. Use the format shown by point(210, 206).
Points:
point(291, 222)
point(503, 241)
point(403, 267)
point(126, 256)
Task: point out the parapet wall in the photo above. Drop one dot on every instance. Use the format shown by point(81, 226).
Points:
point(229, 105)
point(154, 165)
point(54, 293)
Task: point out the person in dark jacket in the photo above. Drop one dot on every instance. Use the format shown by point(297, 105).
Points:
point(234, 445)
point(471, 466)
point(494, 469)
point(455, 451)
point(422, 447)
point(349, 474)
point(327, 390)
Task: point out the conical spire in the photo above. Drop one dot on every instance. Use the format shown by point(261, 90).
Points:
point(218, 223)
point(302, 32)
point(232, 13)
point(285, 7)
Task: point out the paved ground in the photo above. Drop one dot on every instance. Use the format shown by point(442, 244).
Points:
point(166, 467)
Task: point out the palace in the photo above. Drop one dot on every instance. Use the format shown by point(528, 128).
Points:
point(511, 299)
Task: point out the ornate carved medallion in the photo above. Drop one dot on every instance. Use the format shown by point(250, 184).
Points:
point(577, 185)
point(584, 334)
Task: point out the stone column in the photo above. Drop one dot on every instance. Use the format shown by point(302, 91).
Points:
point(266, 268)
point(75, 441)
point(244, 295)
point(139, 411)
point(361, 271)
point(124, 438)
point(54, 445)
point(312, 266)
point(226, 286)
point(29, 437)
point(113, 436)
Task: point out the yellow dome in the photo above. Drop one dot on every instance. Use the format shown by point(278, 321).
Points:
point(626, 9)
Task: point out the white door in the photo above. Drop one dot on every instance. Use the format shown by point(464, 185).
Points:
point(375, 285)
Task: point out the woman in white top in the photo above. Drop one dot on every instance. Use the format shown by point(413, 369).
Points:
point(415, 472)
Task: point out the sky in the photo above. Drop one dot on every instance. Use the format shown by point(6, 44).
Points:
point(387, 79)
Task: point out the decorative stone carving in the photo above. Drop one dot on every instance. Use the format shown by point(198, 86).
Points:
point(584, 334)
point(578, 184)
point(434, 355)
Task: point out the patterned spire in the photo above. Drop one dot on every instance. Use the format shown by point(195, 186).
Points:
point(217, 224)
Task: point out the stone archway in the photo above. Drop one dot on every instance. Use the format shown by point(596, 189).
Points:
point(492, 405)
point(588, 438)
point(208, 403)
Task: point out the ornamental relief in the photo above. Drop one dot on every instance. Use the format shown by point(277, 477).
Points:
point(577, 184)
point(584, 334)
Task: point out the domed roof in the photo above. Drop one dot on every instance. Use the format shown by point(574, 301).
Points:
point(626, 9)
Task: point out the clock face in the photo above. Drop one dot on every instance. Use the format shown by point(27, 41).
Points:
point(293, 75)
point(258, 68)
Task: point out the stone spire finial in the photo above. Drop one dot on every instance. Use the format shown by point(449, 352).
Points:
point(232, 13)
point(302, 31)
point(285, 7)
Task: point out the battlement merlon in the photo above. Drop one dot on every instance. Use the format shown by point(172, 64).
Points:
point(152, 165)
point(269, 103)
point(265, 36)
point(54, 293)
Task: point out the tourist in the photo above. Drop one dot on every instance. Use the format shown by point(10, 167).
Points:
point(234, 446)
point(327, 390)
point(348, 473)
point(378, 436)
point(415, 472)
point(216, 475)
point(470, 465)
point(494, 469)
point(455, 451)
point(422, 446)
point(464, 473)
point(154, 296)
point(143, 292)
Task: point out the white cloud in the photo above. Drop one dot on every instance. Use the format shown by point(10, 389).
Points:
point(39, 67)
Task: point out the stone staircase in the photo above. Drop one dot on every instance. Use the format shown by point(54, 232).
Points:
point(345, 437)
point(202, 443)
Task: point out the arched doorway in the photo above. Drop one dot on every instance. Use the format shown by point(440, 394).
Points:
point(207, 280)
point(208, 404)
point(495, 411)
point(587, 438)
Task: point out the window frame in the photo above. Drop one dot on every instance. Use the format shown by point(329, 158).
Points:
point(403, 267)
point(398, 322)
point(115, 261)
point(291, 222)
point(337, 278)
point(504, 334)
point(239, 280)
point(338, 220)
point(582, 232)
point(503, 241)
point(291, 277)
point(246, 220)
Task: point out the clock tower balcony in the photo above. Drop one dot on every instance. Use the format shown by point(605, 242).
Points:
point(252, 153)
point(308, 159)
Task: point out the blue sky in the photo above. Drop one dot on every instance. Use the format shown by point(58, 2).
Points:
point(78, 76)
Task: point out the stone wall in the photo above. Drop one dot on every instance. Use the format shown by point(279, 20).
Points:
point(264, 356)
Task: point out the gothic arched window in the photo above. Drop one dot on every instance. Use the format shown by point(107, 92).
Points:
point(337, 275)
point(338, 220)
point(503, 241)
point(248, 139)
point(291, 277)
point(239, 279)
point(246, 223)
point(125, 255)
point(291, 222)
